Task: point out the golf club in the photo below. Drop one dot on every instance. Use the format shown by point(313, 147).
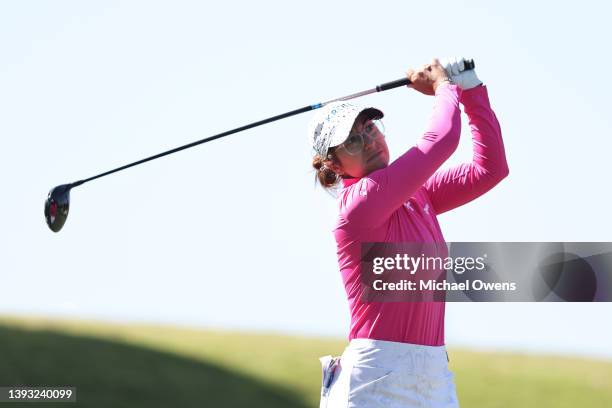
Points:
point(57, 203)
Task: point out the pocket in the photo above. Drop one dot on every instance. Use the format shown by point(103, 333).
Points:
point(371, 386)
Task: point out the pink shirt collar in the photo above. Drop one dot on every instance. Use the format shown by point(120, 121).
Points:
point(349, 181)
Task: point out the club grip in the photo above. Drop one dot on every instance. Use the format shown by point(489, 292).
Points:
point(469, 64)
point(393, 84)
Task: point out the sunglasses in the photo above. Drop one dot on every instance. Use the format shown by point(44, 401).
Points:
point(355, 142)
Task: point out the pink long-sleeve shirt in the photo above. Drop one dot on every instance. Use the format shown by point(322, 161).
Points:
point(400, 203)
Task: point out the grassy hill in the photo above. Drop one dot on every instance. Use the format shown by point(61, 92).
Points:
point(135, 366)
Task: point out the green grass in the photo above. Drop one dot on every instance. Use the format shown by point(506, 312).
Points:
point(135, 366)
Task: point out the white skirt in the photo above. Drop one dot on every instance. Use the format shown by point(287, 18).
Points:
point(376, 373)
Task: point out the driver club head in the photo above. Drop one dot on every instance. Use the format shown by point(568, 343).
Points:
point(56, 206)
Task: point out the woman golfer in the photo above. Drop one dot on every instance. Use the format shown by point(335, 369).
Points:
point(396, 356)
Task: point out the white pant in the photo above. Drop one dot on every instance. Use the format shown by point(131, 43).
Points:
point(376, 373)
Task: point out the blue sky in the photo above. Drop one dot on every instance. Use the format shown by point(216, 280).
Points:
point(234, 233)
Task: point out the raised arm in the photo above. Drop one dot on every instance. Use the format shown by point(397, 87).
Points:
point(372, 200)
point(451, 188)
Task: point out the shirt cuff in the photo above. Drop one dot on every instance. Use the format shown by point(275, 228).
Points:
point(447, 87)
point(474, 95)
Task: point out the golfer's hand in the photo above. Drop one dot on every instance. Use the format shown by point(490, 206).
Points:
point(427, 78)
point(455, 68)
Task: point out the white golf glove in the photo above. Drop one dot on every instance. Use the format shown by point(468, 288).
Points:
point(455, 69)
